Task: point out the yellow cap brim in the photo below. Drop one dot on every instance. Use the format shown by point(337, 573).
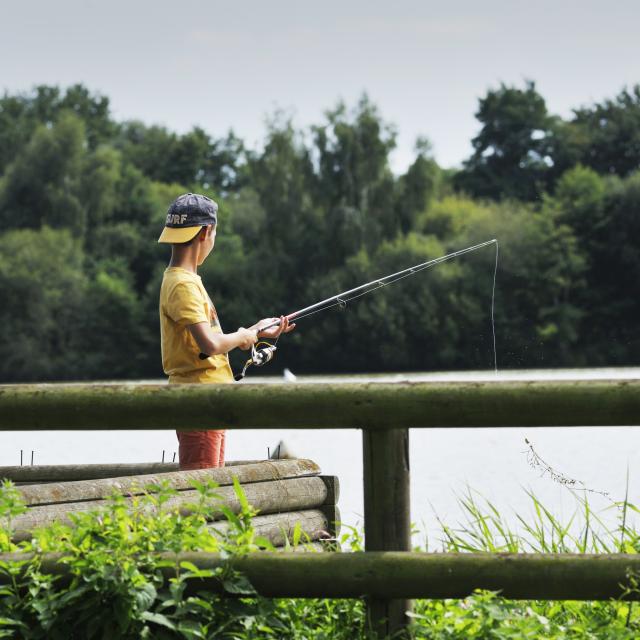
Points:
point(177, 236)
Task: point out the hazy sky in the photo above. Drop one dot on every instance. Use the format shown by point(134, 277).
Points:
point(229, 64)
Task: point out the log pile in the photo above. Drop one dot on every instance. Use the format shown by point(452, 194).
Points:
point(65, 472)
point(285, 493)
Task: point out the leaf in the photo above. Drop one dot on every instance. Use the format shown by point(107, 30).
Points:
point(297, 533)
point(230, 516)
point(264, 543)
point(14, 623)
point(158, 618)
point(194, 571)
point(239, 584)
point(145, 596)
point(242, 498)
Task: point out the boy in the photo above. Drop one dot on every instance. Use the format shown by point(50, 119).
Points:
point(189, 323)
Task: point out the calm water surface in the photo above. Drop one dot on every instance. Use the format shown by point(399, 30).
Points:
point(445, 463)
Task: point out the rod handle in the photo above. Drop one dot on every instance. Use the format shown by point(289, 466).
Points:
point(290, 317)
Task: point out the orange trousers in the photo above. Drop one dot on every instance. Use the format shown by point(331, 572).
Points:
point(201, 449)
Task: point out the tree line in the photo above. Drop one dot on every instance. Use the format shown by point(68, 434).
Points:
point(314, 211)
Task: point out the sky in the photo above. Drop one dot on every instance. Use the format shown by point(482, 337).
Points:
point(222, 65)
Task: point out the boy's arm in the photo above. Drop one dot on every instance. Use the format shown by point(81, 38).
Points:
point(213, 343)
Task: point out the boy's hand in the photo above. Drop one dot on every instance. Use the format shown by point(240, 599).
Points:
point(273, 332)
point(248, 337)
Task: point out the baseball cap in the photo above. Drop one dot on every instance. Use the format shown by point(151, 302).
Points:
point(187, 214)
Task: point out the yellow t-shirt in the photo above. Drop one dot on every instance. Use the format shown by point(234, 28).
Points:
point(184, 301)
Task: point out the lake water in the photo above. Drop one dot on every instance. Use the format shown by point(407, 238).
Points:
point(444, 462)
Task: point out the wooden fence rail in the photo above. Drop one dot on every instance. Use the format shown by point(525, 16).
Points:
point(413, 575)
point(384, 412)
point(326, 406)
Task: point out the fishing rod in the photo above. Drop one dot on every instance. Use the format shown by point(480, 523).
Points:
point(341, 299)
point(263, 352)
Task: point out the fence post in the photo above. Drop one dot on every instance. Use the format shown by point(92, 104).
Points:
point(387, 520)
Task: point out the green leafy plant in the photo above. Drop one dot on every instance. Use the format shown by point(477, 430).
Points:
point(118, 588)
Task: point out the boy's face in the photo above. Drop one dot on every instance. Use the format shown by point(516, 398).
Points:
point(206, 243)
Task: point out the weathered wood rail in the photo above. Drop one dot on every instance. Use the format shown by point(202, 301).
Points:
point(415, 575)
point(384, 412)
point(320, 406)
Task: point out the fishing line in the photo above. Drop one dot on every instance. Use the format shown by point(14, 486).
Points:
point(493, 304)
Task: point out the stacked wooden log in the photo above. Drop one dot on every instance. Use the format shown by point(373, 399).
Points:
point(286, 493)
point(41, 474)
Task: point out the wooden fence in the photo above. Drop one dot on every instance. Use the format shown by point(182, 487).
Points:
point(384, 412)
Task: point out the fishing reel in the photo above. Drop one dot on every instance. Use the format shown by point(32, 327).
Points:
point(261, 353)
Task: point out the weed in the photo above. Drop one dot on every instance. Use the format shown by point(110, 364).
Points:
point(117, 589)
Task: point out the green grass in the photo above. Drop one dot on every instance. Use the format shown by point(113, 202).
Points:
point(486, 615)
point(117, 590)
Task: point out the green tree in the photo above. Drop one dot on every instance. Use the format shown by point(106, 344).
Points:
point(353, 181)
point(454, 215)
point(115, 342)
point(101, 174)
point(540, 279)
point(43, 290)
point(580, 198)
point(607, 135)
point(92, 109)
point(194, 159)
point(513, 152)
point(281, 175)
point(604, 214)
point(22, 114)
point(416, 188)
point(42, 185)
point(17, 125)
